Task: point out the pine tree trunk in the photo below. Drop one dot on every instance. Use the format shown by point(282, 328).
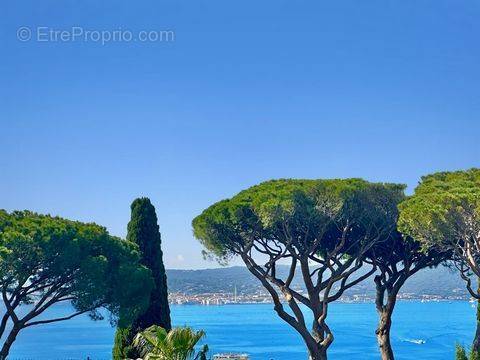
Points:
point(476, 340)
point(383, 335)
point(317, 354)
point(385, 307)
point(315, 350)
point(9, 342)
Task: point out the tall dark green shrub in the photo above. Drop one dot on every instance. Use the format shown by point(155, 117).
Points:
point(143, 230)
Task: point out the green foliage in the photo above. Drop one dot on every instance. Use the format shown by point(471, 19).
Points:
point(441, 204)
point(177, 344)
point(474, 355)
point(46, 260)
point(143, 230)
point(444, 215)
point(123, 348)
point(460, 353)
point(305, 209)
point(81, 261)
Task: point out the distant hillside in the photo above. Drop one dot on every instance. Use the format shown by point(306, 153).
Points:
point(440, 281)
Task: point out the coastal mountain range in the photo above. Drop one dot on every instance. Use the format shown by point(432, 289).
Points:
point(441, 281)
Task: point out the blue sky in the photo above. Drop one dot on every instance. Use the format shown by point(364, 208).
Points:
point(248, 91)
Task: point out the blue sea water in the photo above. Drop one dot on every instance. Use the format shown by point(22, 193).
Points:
point(256, 330)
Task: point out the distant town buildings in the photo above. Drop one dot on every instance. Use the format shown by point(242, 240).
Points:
point(218, 299)
point(262, 297)
point(231, 357)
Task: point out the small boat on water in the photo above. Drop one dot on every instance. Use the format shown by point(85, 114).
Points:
point(415, 341)
point(231, 356)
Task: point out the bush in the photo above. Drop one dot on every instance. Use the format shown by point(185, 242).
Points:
point(122, 348)
point(461, 354)
point(474, 355)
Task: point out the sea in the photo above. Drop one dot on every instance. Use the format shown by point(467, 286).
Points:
point(421, 331)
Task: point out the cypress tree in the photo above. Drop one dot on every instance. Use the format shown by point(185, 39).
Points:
point(143, 230)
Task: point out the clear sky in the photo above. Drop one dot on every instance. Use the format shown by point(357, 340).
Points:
point(248, 91)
